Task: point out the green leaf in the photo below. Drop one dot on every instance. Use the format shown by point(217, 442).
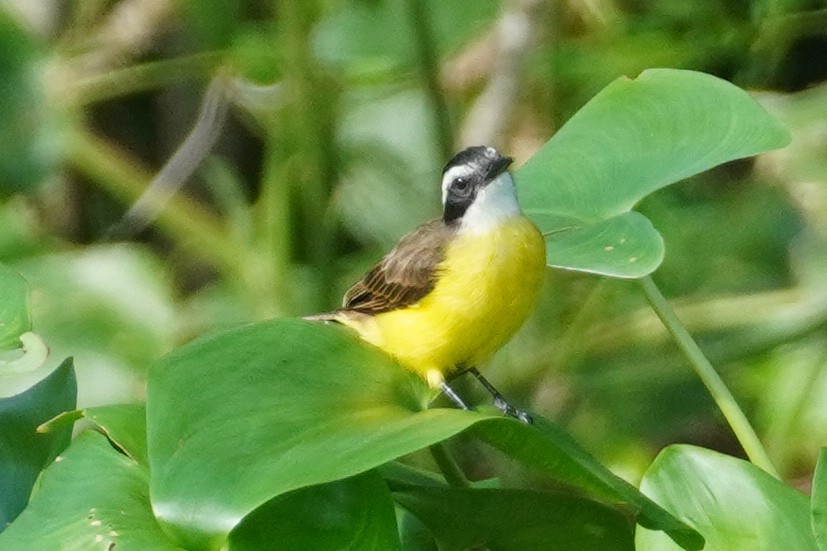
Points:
point(413, 534)
point(516, 520)
point(549, 449)
point(15, 313)
point(354, 513)
point(23, 451)
point(296, 404)
point(633, 138)
point(819, 501)
point(92, 498)
point(733, 503)
point(625, 245)
point(293, 403)
point(125, 425)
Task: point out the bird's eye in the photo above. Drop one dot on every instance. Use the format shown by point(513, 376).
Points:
point(460, 184)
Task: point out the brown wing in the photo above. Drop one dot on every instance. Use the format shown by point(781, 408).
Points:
point(405, 275)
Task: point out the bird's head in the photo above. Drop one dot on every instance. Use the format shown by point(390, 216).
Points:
point(477, 190)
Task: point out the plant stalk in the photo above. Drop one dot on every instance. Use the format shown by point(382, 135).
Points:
point(182, 219)
point(306, 130)
point(738, 422)
point(448, 465)
point(429, 73)
point(94, 88)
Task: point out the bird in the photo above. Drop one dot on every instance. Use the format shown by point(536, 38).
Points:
point(455, 289)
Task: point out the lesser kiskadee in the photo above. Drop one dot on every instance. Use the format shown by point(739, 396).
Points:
point(455, 289)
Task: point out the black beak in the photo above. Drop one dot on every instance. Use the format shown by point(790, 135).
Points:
point(498, 166)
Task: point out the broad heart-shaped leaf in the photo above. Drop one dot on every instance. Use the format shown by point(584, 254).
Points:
point(633, 138)
point(23, 451)
point(286, 403)
point(15, 314)
point(93, 497)
point(733, 503)
point(241, 417)
point(354, 513)
point(818, 501)
point(516, 520)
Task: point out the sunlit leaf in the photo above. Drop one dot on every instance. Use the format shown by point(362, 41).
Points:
point(619, 245)
point(293, 404)
point(735, 505)
point(633, 138)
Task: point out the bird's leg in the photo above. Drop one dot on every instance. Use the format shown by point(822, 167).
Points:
point(449, 392)
point(499, 400)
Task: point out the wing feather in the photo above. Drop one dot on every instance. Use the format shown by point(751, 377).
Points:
point(405, 275)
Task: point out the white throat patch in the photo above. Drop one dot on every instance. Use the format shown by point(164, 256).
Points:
point(494, 204)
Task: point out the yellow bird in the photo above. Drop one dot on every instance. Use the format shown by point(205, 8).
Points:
point(455, 289)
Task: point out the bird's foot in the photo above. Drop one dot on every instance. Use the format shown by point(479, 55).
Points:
point(511, 411)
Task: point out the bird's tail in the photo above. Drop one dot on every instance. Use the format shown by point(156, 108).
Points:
point(324, 316)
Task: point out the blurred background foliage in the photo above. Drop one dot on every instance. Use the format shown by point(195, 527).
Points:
point(331, 121)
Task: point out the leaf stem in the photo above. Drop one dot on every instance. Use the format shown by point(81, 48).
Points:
point(448, 465)
point(94, 88)
point(429, 73)
point(184, 220)
point(307, 132)
point(715, 385)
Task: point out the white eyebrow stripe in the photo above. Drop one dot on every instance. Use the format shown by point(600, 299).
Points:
point(452, 174)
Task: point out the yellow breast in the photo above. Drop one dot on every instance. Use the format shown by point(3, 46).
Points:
point(486, 286)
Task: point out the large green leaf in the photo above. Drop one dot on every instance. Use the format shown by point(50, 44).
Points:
point(92, 498)
point(23, 451)
point(517, 520)
point(819, 501)
point(354, 513)
point(15, 313)
point(733, 503)
point(633, 138)
point(292, 404)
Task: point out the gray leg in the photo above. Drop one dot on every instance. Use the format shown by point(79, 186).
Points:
point(499, 400)
point(449, 392)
